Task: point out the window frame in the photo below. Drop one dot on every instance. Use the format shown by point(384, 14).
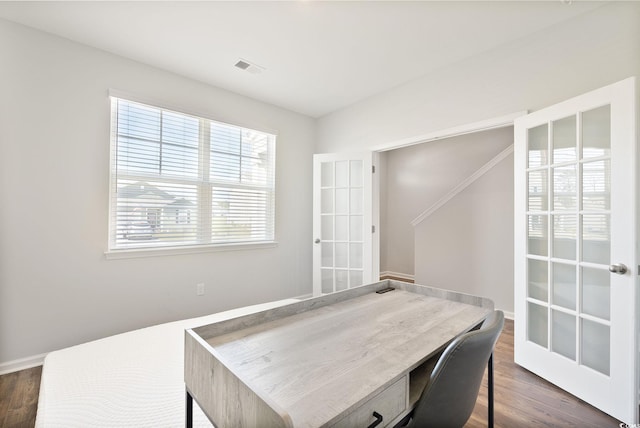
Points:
point(204, 185)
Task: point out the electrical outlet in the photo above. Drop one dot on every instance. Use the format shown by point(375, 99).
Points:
point(200, 289)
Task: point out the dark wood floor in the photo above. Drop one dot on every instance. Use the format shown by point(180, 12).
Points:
point(522, 399)
point(19, 398)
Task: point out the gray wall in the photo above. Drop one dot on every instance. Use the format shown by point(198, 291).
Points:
point(56, 287)
point(416, 177)
point(467, 244)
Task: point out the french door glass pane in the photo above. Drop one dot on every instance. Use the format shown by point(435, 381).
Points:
point(326, 234)
point(342, 201)
point(327, 254)
point(537, 324)
point(355, 278)
point(326, 174)
point(596, 185)
point(565, 195)
point(596, 132)
point(355, 228)
point(596, 245)
point(564, 285)
point(538, 279)
point(538, 143)
point(538, 190)
point(595, 346)
point(355, 256)
point(327, 280)
point(356, 201)
point(596, 292)
point(356, 176)
point(342, 279)
point(537, 235)
point(342, 255)
point(564, 236)
point(342, 174)
point(342, 227)
point(326, 201)
point(564, 140)
point(563, 334)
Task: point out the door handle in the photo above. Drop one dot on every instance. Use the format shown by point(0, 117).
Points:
point(618, 268)
point(317, 241)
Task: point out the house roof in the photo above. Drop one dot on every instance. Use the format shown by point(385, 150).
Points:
point(142, 190)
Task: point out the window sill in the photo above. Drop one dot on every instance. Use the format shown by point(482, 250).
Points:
point(176, 251)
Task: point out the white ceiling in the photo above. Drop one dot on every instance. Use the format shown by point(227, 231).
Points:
point(319, 56)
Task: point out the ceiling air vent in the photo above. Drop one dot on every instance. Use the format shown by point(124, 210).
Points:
point(243, 64)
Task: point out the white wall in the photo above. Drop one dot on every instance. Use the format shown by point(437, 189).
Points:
point(56, 287)
point(467, 244)
point(419, 176)
point(590, 51)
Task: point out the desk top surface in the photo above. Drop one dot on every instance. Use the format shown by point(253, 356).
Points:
point(320, 362)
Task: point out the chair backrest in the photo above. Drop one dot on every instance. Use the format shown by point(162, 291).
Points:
point(452, 390)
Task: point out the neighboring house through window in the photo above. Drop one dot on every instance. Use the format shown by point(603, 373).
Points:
point(180, 180)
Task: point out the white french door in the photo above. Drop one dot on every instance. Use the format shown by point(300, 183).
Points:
point(575, 247)
point(343, 212)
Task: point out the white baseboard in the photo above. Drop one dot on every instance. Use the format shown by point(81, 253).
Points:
point(22, 364)
point(398, 275)
point(304, 296)
point(509, 315)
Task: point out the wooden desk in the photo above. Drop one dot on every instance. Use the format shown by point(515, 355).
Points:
point(326, 361)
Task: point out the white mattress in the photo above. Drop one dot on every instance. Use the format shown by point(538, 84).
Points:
point(134, 379)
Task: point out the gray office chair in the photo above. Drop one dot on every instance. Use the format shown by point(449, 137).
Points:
point(451, 393)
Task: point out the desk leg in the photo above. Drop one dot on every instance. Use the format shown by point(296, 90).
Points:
point(189, 411)
point(490, 390)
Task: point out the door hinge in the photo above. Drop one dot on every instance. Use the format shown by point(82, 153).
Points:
point(373, 229)
point(373, 169)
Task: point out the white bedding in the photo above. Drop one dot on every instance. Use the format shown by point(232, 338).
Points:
point(134, 379)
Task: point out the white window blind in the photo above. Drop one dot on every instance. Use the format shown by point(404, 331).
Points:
point(180, 180)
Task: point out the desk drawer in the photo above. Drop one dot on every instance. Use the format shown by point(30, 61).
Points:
point(388, 404)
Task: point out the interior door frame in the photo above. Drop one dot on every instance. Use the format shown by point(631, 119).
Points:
point(455, 131)
point(468, 128)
